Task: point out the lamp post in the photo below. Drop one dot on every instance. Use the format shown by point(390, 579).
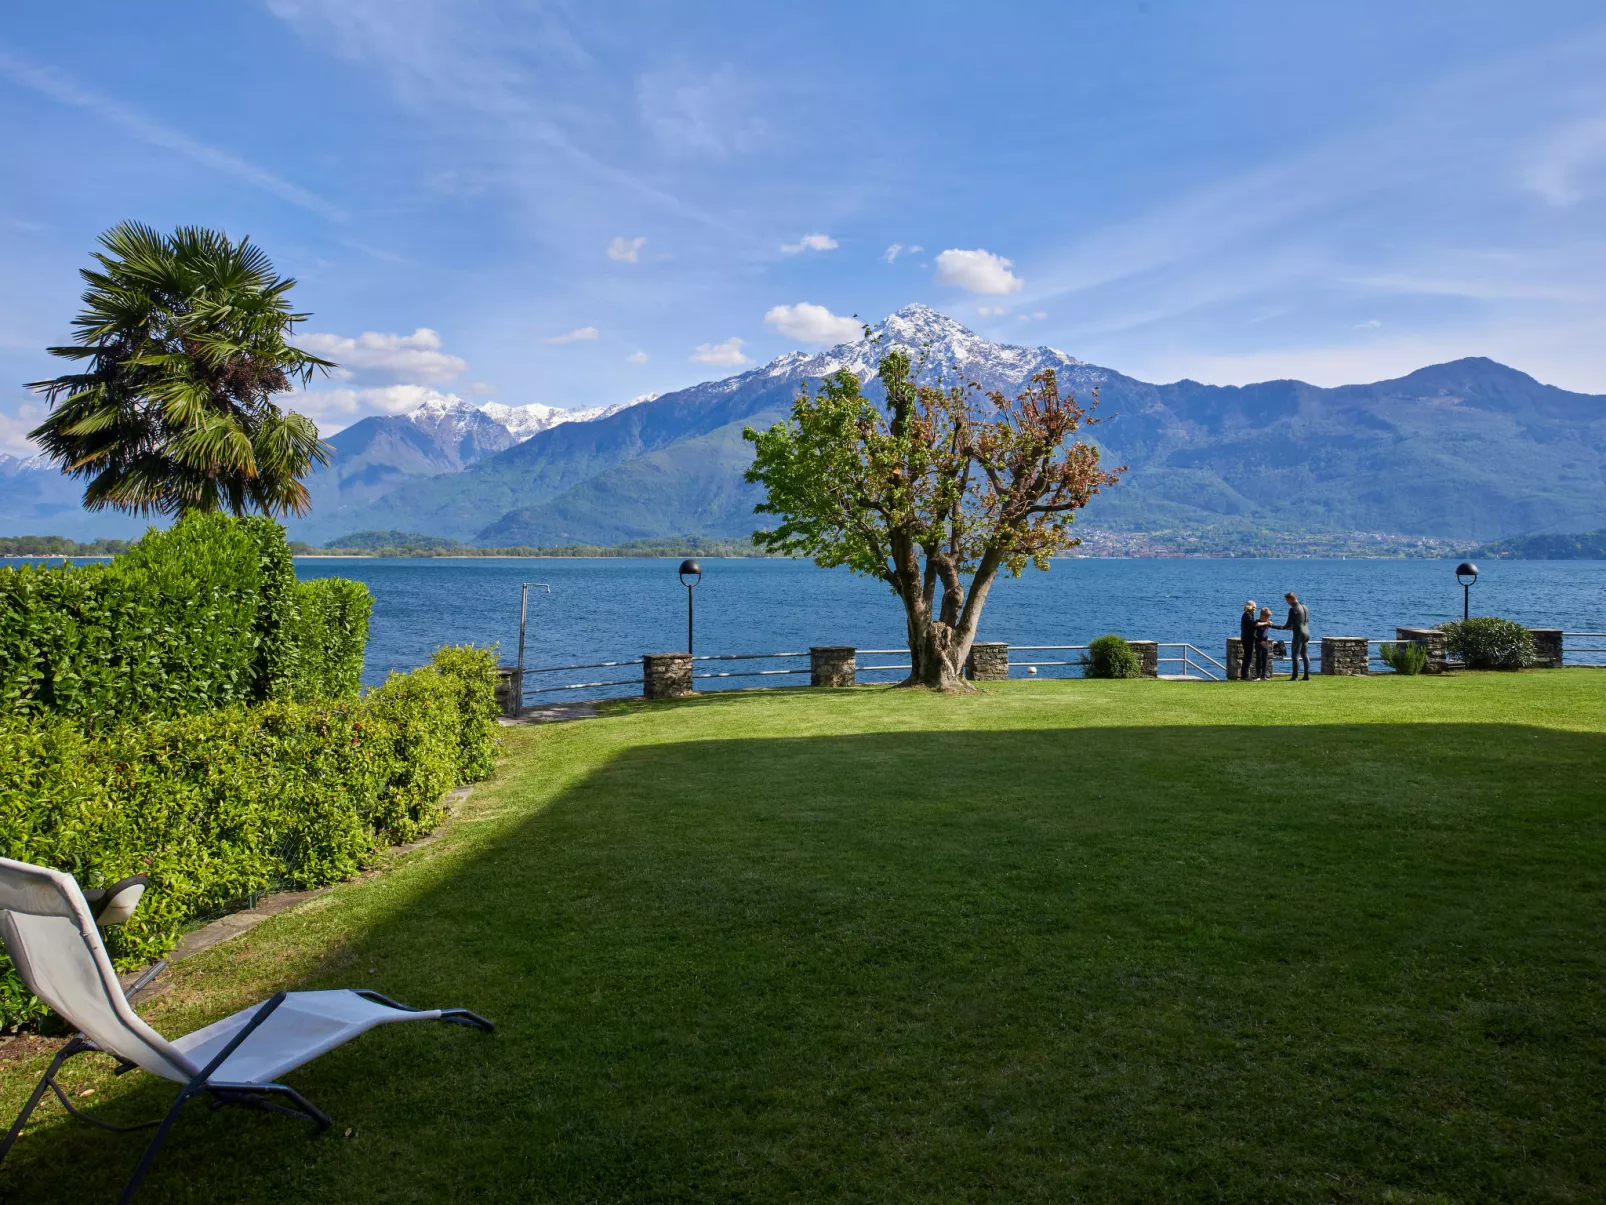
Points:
point(689, 569)
point(1466, 573)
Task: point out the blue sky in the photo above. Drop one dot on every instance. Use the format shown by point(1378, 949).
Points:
point(577, 204)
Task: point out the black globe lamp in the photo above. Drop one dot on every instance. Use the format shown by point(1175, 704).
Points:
point(690, 574)
point(1466, 573)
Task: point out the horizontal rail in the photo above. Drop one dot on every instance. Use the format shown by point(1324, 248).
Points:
point(866, 669)
point(752, 673)
point(544, 690)
point(879, 652)
point(746, 656)
point(552, 669)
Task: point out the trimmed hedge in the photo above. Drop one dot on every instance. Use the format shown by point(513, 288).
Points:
point(205, 615)
point(221, 808)
point(1484, 642)
point(1110, 657)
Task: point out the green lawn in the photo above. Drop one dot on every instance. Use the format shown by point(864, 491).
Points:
point(1106, 941)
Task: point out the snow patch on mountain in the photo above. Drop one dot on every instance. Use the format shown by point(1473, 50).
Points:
point(450, 417)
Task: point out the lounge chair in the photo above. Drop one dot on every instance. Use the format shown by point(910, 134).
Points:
point(50, 933)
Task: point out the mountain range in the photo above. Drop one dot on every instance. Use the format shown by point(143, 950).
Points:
point(1467, 451)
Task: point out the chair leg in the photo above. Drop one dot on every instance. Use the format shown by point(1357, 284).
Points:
point(150, 1152)
point(461, 1016)
point(46, 1082)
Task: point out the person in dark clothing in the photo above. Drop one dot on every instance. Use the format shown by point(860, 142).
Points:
point(1246, 637)
point(1298, 629)
point(1263, 645)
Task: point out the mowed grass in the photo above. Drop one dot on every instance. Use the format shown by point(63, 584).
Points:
point(1099, 941)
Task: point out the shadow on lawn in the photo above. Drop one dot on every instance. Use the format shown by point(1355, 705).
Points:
point(1121, 963)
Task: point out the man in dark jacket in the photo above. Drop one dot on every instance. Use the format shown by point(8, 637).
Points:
point(1298, 628)
point(1246, 633)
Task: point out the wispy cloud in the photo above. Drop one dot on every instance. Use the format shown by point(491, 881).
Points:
point(637, 357)
point(578, 335)
point(725, 355)
point(891, 253)
point(1567, 166)
point(626, 250)
point(58, 86)
point(810, 242)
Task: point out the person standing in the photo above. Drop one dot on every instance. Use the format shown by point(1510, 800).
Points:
point(1246, 639)
point(1263, 645)
point(1298, 629)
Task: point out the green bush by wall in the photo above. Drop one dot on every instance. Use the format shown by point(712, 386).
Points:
point(204, 615)
point(1484, 642)
point(223, 807)
point(1111, 657)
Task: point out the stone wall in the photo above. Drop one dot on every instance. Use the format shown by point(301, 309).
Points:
point(833, 665)
point(1430, 639)
point(1547, 647)
point(988, 662)
point(1148, 652)
point(1235, 657)
point(509, 691)
point(1345, 657)
point(666, 675)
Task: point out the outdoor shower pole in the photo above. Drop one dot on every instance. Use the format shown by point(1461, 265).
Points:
point(524, 612)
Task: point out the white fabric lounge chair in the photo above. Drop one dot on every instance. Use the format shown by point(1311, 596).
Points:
point(50, 933)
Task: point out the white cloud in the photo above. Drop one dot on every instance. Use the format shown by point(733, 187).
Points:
point(811, 242)
point(978, 271)
point(482, 389)
point(1034, 316)
point(578, 335)
point(626, 250)
point(891, 253)
point(14, 429)
point(992, 311)
point(414, 357)
point(1369, 324)
point(813, 324)
point(638, 357)
point(726, 354)
point(336, 409)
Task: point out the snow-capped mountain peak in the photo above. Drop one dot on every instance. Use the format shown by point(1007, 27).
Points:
point(941, 349)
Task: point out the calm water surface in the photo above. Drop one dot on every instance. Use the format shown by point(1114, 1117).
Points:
point(617, 609)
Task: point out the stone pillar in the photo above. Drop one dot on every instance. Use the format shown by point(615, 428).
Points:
point(665, 675)
point(988, 662)
point(1547, 647)
point(509, 691)
point(1345, 657)
point(1432, 640)
point(833, 665)
point(1148, 652)
point(1235, 657)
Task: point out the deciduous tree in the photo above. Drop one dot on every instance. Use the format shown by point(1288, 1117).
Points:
point(931, 488)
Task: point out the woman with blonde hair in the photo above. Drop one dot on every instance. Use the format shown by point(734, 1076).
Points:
point(1263, 645)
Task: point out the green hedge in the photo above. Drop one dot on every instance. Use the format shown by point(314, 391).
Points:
point(1110, 657)
point(221, 808)
point(205, 615)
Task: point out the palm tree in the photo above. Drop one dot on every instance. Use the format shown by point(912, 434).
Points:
point(185, 336)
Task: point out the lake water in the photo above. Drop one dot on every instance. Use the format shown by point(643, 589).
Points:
point(616, 609)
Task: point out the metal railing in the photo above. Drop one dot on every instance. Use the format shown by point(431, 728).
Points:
point(1194, 663)
point(1594, 652)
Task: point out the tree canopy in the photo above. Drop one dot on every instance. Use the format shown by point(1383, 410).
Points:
point(183, 342)
point(926, 489)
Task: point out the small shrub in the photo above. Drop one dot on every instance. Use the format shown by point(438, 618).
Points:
point(1111, 657)
point(1489, 643)
point(1404, 657)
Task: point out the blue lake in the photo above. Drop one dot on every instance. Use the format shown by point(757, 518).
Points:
point(617, 609)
